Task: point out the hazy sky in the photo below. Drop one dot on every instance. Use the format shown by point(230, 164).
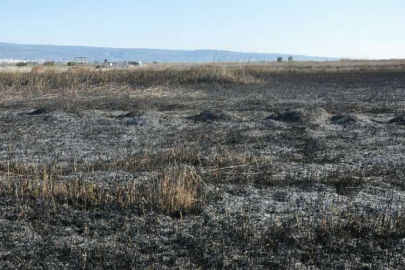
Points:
point(366, 29)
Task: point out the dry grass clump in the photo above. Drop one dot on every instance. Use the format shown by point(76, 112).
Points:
point(220, 157)
point(216, 157)
point(175, 191)
point(150, 161)
point(213, 158)
point(45, 185)
point(19, 169)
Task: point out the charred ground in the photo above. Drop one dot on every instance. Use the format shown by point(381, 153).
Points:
point(273, 170)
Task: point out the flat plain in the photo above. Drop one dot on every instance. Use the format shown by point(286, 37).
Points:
point(255, 166)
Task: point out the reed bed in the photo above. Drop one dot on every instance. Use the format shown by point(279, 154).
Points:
point(148, 77)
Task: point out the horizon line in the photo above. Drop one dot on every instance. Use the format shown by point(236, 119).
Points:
point(184, 50)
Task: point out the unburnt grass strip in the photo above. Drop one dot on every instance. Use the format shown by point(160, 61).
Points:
point(177, 191)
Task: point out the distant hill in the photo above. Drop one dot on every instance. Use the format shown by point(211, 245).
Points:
point(67, 53)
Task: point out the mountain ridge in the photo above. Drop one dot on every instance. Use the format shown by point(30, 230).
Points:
point(30, 52)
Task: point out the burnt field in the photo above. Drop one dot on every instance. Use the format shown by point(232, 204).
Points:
point(203, 168)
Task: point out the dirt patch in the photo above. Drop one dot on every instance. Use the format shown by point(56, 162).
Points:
point(208, 116)
point(399, 120)
point(304, 115)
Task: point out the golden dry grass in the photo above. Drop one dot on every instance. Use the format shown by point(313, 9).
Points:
point(148, 77)
point(38, 70)
point(45, 80)
point(175, 191)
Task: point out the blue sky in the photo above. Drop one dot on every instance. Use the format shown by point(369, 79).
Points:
point(366, 29)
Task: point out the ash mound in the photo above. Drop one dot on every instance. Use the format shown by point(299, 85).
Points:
point(303, 115)
point(129, 115)
point(208, 116)
point(344, 119)
point(399, 120)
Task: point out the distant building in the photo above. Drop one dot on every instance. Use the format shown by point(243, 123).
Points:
point(128, 64)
